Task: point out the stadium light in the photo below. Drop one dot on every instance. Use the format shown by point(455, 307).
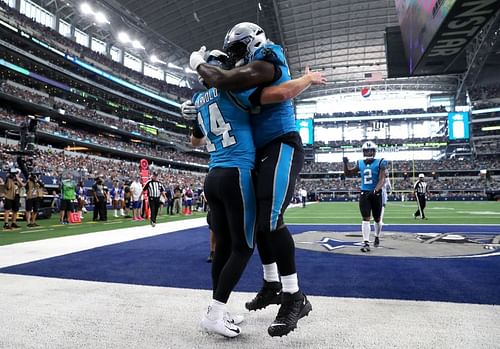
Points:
point(123, 37)
point(155, 59)
point(490, 128)
point(86, 9)
point(173, 66)
point(136, 44)
point(101, 18)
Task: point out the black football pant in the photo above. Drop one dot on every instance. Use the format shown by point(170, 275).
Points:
point(154, 205)
point(277, 165)
point(421, 201)
point(231, 196)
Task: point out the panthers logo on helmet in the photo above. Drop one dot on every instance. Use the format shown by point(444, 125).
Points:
point(242, 41)
point(369, 149)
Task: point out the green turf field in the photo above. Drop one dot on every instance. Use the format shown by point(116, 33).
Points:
point(480, 212)
point(438, 212)
point(50, 228)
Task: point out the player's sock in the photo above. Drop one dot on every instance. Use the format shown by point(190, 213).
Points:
point(271, 272)
point(217, 310)
point(290, 283)
point(365, 230)
point(378, 228)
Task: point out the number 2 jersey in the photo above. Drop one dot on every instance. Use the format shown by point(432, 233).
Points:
point(224, 119)
point(370, 173)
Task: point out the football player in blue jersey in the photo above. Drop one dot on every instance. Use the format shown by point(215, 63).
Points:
point(223, 125)
point(279, 159)
point(372, 172)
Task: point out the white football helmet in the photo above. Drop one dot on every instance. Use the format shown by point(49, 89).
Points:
point(369, 150)
point(219, 59)
point(242, 41)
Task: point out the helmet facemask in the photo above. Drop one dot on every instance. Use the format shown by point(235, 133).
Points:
point(369, 153)
point(242, 41)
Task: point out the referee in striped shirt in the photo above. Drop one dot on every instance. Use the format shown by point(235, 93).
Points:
point(155, 190)
point(420, 190)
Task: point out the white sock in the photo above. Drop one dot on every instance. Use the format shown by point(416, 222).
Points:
point(271, 272)
point(116, 212)
point(216, 310)
point(378, 228)
point(290, 283)
point(365, 230)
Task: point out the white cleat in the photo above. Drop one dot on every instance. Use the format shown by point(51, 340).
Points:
point(233, 318)
point(220, 326)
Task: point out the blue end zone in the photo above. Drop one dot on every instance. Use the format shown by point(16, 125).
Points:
point(178, 260)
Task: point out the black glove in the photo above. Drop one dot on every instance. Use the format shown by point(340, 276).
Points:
point(345, 160)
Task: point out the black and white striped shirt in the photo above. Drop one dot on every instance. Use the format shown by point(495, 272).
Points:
point(421, 187)
point(154, 188)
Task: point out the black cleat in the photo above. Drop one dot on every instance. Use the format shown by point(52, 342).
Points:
point(293, 308)
point(270, 293)
point(366, 247)
point(376, 242)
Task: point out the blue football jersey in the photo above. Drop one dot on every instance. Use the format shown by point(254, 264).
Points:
point(370, 173)
point(224, 119)
point(277, 119)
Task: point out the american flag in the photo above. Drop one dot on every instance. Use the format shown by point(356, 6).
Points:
point(374, 76)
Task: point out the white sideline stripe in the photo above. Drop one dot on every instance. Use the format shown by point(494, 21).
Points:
point(26, 252)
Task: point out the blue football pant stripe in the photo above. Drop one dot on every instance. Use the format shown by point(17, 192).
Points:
point(281, 182)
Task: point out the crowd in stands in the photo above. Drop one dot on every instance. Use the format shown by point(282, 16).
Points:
point(417, 165)
point(442, 186)
point(58, 173)
point(80, 92)
point(81, 111)
point(484, 93)
point(72, 47)
point(55, 163)
point(381, 112)
point(104, 140)
point(488, 147)
point(390, 141)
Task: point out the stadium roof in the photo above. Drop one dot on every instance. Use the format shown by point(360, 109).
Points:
point(343, 38)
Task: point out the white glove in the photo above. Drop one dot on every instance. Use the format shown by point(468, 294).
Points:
point(188, 110)
point(197, 58)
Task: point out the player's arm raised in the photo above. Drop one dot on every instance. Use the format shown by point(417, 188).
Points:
point(349, 171)
point(292, 88)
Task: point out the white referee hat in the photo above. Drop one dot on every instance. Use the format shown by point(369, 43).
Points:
point(421, 175)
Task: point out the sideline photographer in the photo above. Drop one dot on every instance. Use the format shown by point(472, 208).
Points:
point(33, 187)
point(13, 185)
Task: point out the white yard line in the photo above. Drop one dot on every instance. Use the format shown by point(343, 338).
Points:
point(35, 250)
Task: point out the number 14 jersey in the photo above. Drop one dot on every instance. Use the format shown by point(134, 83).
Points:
point(224, 120)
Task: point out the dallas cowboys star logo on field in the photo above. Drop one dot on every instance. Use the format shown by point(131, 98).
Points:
point(334, 244)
